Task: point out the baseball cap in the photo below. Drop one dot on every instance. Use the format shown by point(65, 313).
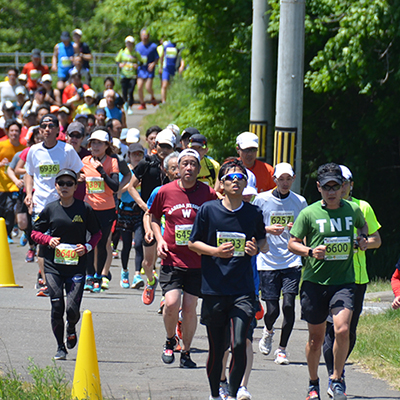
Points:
point(30, 113)
point(130, 39)
point(64, 110)
point(65, 35)
point(19, 90)
point(198, 140)
point(103, 103)
point(35, 53)
point(247, 140)
point(249, 190)
point(189, 152)
point(22, 77)
point(76, 127)
point(329, 172)
point(188, 132)
point(283, 168)
point(90, 93)
point(54, 109)
point(101, 135)
point(136, 147)
point(166, 136)
point(133, 135)
point(8, 105)
point(47, 78)
point(80, 116)
point(77, 31)
point(346, 173)
point(100, 111)
point(50, 118)
point(67, 172)
point(174, 128)
point(123, 134)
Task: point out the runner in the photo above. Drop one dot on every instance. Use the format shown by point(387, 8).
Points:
point(227, 233)
point(396, 287)
point(279, 269)
point(61, 229)
point(361, 274)
point(63, 55)
point(328, 279)
point(180, 271)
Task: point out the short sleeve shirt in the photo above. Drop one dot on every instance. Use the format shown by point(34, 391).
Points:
point(264, 174)
point(8, 150)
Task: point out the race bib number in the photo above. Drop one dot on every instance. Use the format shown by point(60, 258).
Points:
point(128, 66)
point(65, 254)
point(171, 52)
point(48, 169)
point(182, 234)
point(65, 62)
point(337, 248)
point(95, 185)
point(237, 239)
point(144, 59)
point(35, 74)
point(281, 217)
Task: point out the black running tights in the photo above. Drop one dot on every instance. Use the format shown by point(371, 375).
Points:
point(127, 237)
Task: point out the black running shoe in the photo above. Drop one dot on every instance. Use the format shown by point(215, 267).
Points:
point(71, 338)
point(168, 352)
point(61, 353)
point(186, 361)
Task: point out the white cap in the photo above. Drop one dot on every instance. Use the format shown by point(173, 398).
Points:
point(283, 168)
point(166, 136)
point(90, 93)
point(174, 128)
point(346, 173)
point(189, 152)
point(132, 136)
point(247, 140)
point(46, 78)
point(19, 90)
point(130, 39)
point(22, 77)
point(101, 135)
point(102, 103)
point(77, 31)
point(249, 190)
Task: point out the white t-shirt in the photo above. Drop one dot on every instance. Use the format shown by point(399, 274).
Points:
point(7, 92)
point(278, 211)
point(44, 164)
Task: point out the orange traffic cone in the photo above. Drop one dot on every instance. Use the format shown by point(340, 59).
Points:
point(6, 269)
point(86, 384)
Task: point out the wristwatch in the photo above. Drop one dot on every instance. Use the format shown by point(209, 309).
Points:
point(310, 253)
point(88, 247)
point(364, 236)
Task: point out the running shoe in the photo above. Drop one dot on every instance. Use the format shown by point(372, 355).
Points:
point(142, 107)
point(89, 283)
point(243, 394)
point(313, 393)
point(105, 282)
point(223, 390)
point(154, 101)
point(43, 292)
point(168, 352)
point(124, 279)
point(179, 329)
point(61, 353)
point(10, 241)
point(39, 281)
point(338, 389)
point(71, 339)
point(15, 231)
point(137, 282)
point(30, 255)
point(96, 285)
point(280, 357)
point(216, 398)
point(330, 391)
point(162, 303)
point(130, 112)
point(149, 291)
point(126, 106)
point(115, 254)
point(23, 240)
point(265, 344)
point(186, 361)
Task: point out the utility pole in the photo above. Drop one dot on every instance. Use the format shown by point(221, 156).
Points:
point(261, 101)
point(289, 94)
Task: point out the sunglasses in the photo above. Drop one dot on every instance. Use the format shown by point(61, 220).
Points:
point(63, 183)
point(235, 175)
point(328, 188)
point(50, 126)
point(75, 135)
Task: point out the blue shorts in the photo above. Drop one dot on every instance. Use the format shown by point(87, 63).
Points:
point(145, 74)
point(167, 75)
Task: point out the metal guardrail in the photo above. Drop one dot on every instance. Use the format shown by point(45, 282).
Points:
point(97, 67)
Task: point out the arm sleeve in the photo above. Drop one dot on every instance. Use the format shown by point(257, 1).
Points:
point(111, 181)
point(123, 167)
point(41, 238)
point(396, 282)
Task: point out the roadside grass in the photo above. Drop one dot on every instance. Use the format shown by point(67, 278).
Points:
point(379, 285)
point(377, 347)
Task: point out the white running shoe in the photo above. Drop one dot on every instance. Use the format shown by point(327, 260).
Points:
point(223, 390)
point(243, 394)
point(265, 344)
point(280, 357)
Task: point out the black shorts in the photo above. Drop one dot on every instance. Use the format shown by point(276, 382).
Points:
point(273, 282)
point(317, 301)
point(218, 310)
point(152, 243)
point(186, 279)
point(20, 206)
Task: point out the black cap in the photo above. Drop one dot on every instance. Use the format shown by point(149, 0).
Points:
point(35, 53)
point(329, 172)
point(188, 132)
point(65, 35)
point(67, 172)
point(76, 127)
point(199, 139)
point(135, 147)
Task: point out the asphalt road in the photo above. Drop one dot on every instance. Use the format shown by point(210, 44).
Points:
point(129, 340)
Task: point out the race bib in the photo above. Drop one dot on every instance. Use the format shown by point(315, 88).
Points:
point(144, 59)
point(182, 234)
point(171, 52)
point(35, 74)
point(95, 185)
point(65, 254)
point(281, 217)
point(237, 239)
point(337, 248)
point(65, 62)
point(49, 169)
point(128, 66)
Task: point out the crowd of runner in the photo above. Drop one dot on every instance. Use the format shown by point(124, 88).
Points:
point(75, 180)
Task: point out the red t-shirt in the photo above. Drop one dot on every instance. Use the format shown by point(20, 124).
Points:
point(24, 155)
point(396, 282)
point(264, 174)
point(180, 207)
point(34, 73)
point(70, 91)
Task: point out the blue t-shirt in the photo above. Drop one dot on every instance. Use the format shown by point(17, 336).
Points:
point(64, 62)
point(149, 54)
point(170, 57)
point(113, 113)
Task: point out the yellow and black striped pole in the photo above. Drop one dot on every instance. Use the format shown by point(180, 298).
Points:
point(260, 129)
point(285, 145)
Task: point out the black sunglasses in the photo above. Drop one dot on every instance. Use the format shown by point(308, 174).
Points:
point(50, 126)
point(329, 188)
point(63, 183)
point(75, 135)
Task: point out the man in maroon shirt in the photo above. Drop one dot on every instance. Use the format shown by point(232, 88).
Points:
point(180, 271)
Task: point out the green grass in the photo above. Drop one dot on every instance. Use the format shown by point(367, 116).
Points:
point(377, 348)
point(379, 285)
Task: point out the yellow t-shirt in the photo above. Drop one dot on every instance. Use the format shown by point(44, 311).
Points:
point(7, 150)
point(205, 174)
